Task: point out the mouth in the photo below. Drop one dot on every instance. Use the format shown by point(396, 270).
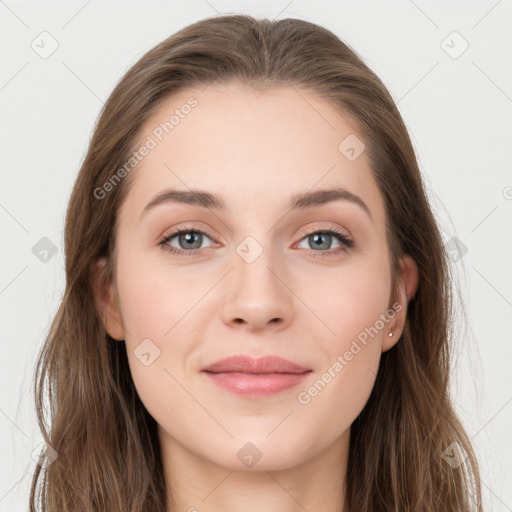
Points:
point(254, 378)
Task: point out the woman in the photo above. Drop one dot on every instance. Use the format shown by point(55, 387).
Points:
point(257, 313)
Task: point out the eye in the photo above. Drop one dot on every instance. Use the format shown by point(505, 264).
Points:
point(189, 241)
point(322, 239)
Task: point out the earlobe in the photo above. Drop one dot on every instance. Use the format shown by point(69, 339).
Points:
point(105, 300)
point(406, 286)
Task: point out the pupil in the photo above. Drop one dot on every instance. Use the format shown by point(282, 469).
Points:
point(318, 241)
point(189, 238)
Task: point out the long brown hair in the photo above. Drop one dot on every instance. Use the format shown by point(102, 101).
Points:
point(403, 443)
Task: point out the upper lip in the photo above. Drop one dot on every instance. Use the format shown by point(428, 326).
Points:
point(246, 364)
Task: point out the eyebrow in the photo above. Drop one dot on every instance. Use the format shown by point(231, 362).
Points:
point(297, 202)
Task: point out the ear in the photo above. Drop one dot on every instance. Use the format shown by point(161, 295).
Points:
point(404, 291)
point(105, 300)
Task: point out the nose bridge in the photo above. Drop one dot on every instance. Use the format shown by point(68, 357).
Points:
point(254, 261)
point(256, 265)
point(257, 294)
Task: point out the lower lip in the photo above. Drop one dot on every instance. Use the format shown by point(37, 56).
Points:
point(253, 386)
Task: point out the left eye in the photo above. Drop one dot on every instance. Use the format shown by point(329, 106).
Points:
point(190, 241)
point(323, 239)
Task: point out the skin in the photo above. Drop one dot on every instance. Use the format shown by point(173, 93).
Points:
point(255, 150)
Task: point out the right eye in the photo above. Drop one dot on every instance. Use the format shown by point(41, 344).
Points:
point(191, 238)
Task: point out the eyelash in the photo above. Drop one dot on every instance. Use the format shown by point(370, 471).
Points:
point(346, 242)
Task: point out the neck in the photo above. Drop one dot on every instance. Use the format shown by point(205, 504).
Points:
point(196, 485)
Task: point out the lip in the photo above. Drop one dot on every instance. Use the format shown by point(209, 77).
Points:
point(253, 378)
point(246, 364)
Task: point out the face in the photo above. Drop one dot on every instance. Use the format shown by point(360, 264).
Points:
point(260, 276)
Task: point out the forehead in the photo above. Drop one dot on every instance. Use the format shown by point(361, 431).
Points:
point(250, 147)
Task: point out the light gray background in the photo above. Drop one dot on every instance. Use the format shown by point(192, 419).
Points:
point(458, 112)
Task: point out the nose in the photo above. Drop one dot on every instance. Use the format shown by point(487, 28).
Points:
point(256, 295)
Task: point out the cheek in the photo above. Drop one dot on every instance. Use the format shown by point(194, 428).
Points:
point(353, 306)
point(153, 309)
point(339, 390)
point(153, 298)
point(347, 300)
point(159, 308)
